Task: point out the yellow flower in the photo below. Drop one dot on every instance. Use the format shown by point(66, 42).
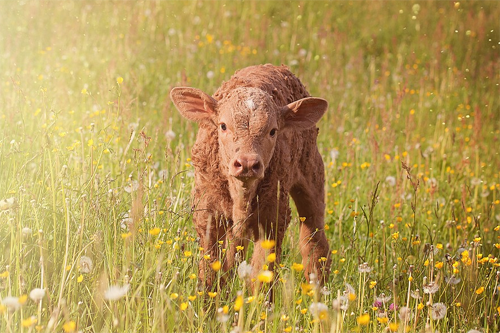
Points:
point(154, 231)
point(271, 257)
point(420, 306)
point(183, 306)
point(192, 298)
point(439, 265)
point(288, 329)
point(79, 279)
point(187, 253)
point(426, 262)
point(192, 276)
point(23, 299)
point(238, 303)
point(4, 275)
point(284, 317)
point(393, 327)
point(351, 297)
point(297, 267)
point(265, 276)
point(364, 319)
point(126, 235)
point(3, 309)
point(382, 320)
point(174, 295)
point(302, 219)
point(119, 80)
point(303, 311)
point(212, 294)
point(395, 235)
point(28, 322)
point(480, 290)
point(372, 284)
point(216, 265)
point(239, 248)
point(267, 244)
point(69, 326)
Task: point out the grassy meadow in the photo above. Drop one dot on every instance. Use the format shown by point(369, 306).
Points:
point(96, 232)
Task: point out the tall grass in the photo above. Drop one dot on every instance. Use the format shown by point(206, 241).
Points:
point(96, 176)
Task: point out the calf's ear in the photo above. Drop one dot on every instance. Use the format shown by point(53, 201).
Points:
point(304, 113)
point(193, 103)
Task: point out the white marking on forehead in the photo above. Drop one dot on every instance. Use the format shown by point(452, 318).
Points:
point(250, 104)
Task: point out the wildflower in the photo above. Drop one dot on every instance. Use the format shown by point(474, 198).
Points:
point(364, 268)
point(438, 311)
point(297, 267)
point(69, 326)
point(187, 253)
point(383, 298)
point(372, 284)
point(85, 265)
point(28, 322)
point(340, 303)
point(7, 203)
point(271, 257)
point(216, 265)
point(244, 270)
point(431, 288)
point(265, 276)
point(212, 294)
point(238, 303)
point(364, 319)
point(382, 318)
point(119, 80)
point(12, 303)
point(183, 306)
point(267, 244)
point(26, 231)
point(480, 290)
point(4, 275)
point(393, 327)
point(155, 231)
point(420, 306)
point(174, 296)
point(404, 314)
point(114, 293)
point(390, 180)
point(222, 315)
point(319, 310)
point(170, 135)
point(37, 294)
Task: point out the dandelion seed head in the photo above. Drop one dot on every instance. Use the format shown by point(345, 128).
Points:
point(438, 311)
point(114, 293)
point(12, 303)
point(37, 294)
point(86, 265)
point(244, 270)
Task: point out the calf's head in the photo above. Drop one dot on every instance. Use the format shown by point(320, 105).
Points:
point(249, 123)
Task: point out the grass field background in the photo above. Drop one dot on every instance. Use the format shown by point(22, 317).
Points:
point(95, 176)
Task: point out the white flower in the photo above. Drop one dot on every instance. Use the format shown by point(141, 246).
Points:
point(318, 310)
point(334, 154)
point(133, 186)
point(453, 280)
point(26, 231)
point(37, 294)
point(222, 316)
point(11, 302)
point(415, 294)
point(438, 311)
point(341, 303)
point(364, 268)
point(210, 74)
point(390, 180)
point(244, 270)
point(7, 203)
point(404, 314)
point(86, 265)
point(170, 135)
point(383, 298)
point(114, 293)
point(431, 288)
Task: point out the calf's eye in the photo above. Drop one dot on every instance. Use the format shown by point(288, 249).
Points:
point(223, 127)
point(273, 132)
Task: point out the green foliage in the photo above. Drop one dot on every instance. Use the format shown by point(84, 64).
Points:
point(96, 177)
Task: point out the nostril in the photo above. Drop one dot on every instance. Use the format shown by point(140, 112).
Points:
point(237, 164)
point(256, 166)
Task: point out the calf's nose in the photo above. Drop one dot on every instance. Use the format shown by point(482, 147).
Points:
point(246, 166)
